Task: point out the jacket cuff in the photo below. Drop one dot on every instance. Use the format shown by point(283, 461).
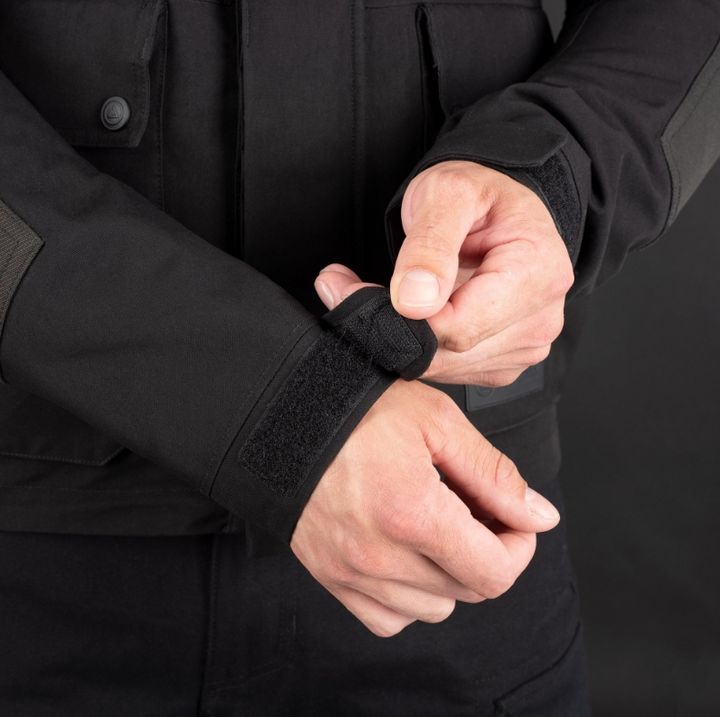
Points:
point(543, 157)
point(300, 422)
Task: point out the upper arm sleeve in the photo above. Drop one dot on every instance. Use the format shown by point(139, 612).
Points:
point(119, 314)
point(614, 132)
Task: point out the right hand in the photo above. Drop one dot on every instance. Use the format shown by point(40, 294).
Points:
point(392, 542)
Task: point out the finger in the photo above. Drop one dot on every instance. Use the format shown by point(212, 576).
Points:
point(485, 475)
point(447, 367)
point(416, 573)
point(406, 599)
point(502, 292)
point(379, 619)
point(336, 282)
point(523, 344)
point(485, 562)
point(437, 217)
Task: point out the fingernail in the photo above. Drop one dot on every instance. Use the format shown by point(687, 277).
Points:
point(419, 287)
point(325, 293)
point(540, 506)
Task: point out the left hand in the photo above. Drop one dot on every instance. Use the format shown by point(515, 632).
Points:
point(483, 262)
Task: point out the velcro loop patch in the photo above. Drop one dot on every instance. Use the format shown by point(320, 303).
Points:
point(368, 320)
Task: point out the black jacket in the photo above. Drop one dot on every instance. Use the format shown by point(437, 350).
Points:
point(173, 174)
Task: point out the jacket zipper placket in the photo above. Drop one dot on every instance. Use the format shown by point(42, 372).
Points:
point(236, 239)
point(236, 242)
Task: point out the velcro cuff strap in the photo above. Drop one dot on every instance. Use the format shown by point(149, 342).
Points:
point(300, 423)
point(368, 320)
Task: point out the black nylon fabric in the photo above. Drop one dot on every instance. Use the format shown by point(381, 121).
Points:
point(172, 301)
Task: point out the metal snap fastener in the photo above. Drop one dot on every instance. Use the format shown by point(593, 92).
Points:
point(115, 113)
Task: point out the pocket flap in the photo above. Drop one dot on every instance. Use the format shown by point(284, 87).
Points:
point(69, 57)
point(31, 427)
point(482, 47)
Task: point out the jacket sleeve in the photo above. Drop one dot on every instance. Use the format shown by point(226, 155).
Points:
point(614, 132)
point(117, 313)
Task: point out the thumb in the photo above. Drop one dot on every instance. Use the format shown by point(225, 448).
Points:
point(427, 263)
point(336, 282)
point(488, 481)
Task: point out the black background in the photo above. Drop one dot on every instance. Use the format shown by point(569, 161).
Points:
point(640, 418)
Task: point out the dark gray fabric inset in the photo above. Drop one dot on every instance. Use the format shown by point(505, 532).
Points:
point(531, 380)
point(691, 140)
point(18, 246)
point(368, 320)
point(301, 420)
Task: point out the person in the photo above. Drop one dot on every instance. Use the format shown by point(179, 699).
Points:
point(220, 489)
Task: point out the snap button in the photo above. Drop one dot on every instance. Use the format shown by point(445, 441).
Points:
point(115, 113)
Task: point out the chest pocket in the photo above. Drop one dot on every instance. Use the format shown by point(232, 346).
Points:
point(94, 69)
point(470, 49)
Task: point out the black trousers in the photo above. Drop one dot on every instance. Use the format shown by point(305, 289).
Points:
point(232, 624)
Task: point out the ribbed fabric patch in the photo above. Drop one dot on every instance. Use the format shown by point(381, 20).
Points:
point(18, 246)
point(301, 420)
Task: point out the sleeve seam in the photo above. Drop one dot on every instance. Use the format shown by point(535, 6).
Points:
point(286, 349)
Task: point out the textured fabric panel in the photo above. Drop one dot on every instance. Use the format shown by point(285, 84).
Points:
point(19, 245)
point(368, 320)
point(691, 140)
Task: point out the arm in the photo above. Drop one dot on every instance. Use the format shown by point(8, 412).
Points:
point(117, 313)
point(188, 356)
point(614, 132)
point(549, 183)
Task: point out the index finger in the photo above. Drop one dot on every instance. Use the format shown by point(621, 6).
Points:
point(487, 563)
point(500, 293)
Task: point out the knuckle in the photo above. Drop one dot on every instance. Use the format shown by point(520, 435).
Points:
point(389, 626)
point(357, 557)
point(539, 355)
point(371, 562)
point(548, 329)
point(428, 245)
point(338, 572)
point(505, 475)
point(555, 326)
point(498, 587)
point(455, 180)
point(564, 278)
point(498, 379)
point(500, 583)
point(461, 342)
point(405, 520)
point(442, 406)
point(440, 611)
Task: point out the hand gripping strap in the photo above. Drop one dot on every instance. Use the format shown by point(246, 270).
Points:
point(368, 320)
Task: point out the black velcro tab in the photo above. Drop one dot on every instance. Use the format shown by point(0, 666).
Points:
point(368, 320)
